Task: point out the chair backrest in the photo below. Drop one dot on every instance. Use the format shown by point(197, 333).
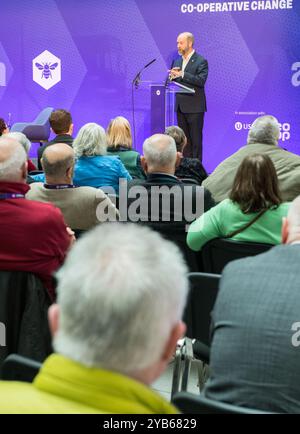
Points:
point(18, 368)
point(178, 236)
point(43, 117)
point(188, 403)
point(219, 252)
point(197, 316)
point(24, 304)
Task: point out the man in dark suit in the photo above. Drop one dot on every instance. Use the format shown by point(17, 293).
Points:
point(191, 70)
point(162, 201)
point(61, 124)
point(166, 203)
point(255, 354)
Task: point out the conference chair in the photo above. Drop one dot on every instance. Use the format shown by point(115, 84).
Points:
point(197, 317)
point(218, 252)
point(37, 130)
point(24, 304)
point(18, 368)
point(188, 403)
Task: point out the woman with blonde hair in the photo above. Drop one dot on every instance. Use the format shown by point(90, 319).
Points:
point(119, 140)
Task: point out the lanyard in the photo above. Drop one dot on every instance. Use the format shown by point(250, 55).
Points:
point(11, 196)
point(58, 186)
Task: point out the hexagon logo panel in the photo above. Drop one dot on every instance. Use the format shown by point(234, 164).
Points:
point(46, 69)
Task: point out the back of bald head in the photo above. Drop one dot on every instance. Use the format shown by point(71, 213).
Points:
point(13, 158)
point(160, 151)
point(57, 159)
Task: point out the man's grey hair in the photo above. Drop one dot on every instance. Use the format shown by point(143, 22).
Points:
point(121, 291)
point(90, 141)
point(264, 129)
point(160, 150)
point(21, 138)
point(57, 168)
point(11, 167)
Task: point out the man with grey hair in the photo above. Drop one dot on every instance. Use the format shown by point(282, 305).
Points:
point(115, 327)
point(34, 236)
point(191, 70)
point(255, 359)
point(25, 142)
point(166, 203)
point(82, 207)
point(263, 138)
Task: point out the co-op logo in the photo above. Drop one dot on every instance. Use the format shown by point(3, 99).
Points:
point(285, 129)
point(46, 69)
point(2, 74)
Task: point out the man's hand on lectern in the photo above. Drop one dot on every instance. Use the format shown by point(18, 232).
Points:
point(175, 73)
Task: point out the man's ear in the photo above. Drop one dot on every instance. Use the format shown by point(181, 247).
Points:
point(144, 164)
point(176, 334)
point(70, 171)
point(178, 159)
point(71, 129)
point(53, 318)
point(284, 230)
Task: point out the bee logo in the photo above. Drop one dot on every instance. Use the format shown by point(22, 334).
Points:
point(46, 68)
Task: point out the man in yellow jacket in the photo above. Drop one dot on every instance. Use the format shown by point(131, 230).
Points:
point(121, 293)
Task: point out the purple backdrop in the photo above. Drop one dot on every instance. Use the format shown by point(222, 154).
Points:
point(253, 55)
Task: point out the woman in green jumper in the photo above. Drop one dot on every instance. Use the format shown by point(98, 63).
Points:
point(119, 140)
point(253, 212)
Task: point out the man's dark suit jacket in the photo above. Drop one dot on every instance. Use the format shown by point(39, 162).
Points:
point(60, 138)
point(189, 194)
point(195, 75)
point(175, 226)
point(254, 361)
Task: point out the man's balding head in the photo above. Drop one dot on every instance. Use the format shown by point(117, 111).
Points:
point(160, 154)
point(58, 163)
point(13, 161)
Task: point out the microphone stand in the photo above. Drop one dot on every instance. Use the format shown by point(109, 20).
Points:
point(135, 84)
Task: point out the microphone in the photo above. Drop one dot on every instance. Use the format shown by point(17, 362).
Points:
point(137, 78)
point(150, 63)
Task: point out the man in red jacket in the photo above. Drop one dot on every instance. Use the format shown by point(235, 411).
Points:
point(33, 235)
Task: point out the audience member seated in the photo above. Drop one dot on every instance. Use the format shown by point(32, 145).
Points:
point(253, 212)
point(262, 138)
point(33, 235)
point(21, 138)
point(188, 167)
point(166, 202)
point(115, 327)
point(93, 167)
point(3, 127)
point(61, 124)
point(255, 357)
point(82, 207)
point(119, 140)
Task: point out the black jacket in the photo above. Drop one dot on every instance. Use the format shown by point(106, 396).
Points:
point(195, 75)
